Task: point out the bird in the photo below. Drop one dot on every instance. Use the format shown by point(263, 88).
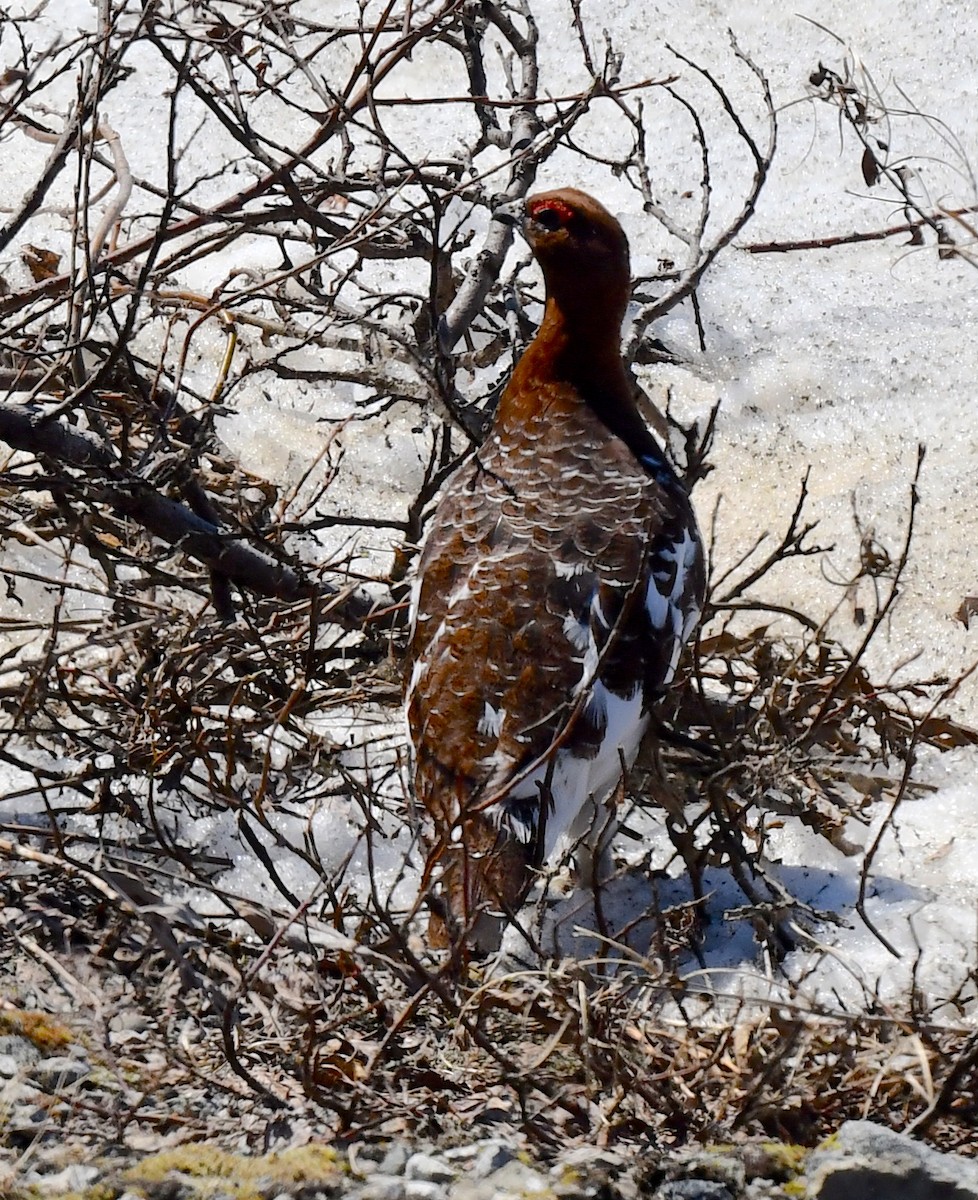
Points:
point(560, 577)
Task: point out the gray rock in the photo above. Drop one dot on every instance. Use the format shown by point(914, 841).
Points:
point(492, 1157)
point(74, 1178)
point(395, 1160)
point(423, 1189)
point(16, 1091)
point(129, 1021)
point(9, 1066)
point(864, 1159)
point(709, 1166)
point(428, 1168)
point(22, 1050)
point(693, 1189)
point(26, 1121)
point(383, 1187)
point(364, 1160)
point(471, 1189)
point(126, 1037)
point(51, 1074)
point(764, 1189)
point(591, 1158)
point(518, 1178)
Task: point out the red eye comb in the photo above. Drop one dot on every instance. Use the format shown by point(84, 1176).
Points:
point(563, 212)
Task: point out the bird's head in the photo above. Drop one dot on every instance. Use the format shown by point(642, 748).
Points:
point(582, 251)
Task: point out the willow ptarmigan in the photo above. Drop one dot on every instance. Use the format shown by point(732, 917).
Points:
point(561, 575)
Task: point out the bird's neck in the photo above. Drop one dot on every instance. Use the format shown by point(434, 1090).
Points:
point(574, 360)
point(582, 350)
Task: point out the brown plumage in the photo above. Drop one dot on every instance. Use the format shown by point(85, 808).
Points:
point(561, 574)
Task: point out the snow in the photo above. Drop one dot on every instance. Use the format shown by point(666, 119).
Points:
point(841, 360)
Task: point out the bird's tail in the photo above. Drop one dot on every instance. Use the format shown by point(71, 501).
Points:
point(478, 876)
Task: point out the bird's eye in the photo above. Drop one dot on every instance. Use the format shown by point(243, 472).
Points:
point(549, 218)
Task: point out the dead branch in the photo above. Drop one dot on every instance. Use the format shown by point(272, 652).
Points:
point(703, 250)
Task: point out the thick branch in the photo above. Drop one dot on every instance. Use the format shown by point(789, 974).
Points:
point(228, 554)
point(27, 428)
point(172, 522)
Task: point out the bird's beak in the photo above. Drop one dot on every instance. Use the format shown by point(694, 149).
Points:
point(511, 212)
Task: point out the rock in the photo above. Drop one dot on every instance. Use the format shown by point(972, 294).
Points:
point(16, 1091)
point(9, 1066)
point(495, 1112)
point(423, 1189)
point(779, 1161)
point(25, 1124)
point(764, 1189)
point(593, 1159)
point(693, 1189)
point(129, 1020)
point(74, 1178)
point(492, 1157)
point(709, 1166)
point(282, 1132)
point(517, 1178)
point(126, 1037)
point(20, 1050)
point(365, 1158)
point(427, 1167)
point(53, 1074)
point(383, 1187)
point(395, 1160)
point(587, 1171)
point(864, 1159)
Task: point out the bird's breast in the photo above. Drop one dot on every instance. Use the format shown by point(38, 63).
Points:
point(552, 606)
